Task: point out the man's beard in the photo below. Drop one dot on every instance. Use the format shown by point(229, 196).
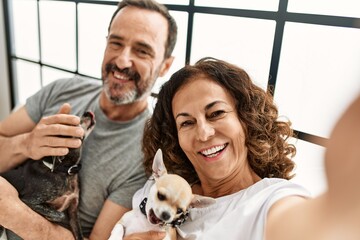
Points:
point(141, 90)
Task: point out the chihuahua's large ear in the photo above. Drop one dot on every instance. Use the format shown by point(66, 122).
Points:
point(158, 166)
point(199, 201)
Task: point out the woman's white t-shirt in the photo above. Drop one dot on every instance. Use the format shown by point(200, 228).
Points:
point(241, 215)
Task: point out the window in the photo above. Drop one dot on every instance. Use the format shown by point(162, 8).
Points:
point(307, 51)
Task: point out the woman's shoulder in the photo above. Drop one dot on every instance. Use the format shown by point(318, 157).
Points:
point(277, 188)
point(267, 190)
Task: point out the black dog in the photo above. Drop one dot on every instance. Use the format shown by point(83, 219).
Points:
point(50, 186)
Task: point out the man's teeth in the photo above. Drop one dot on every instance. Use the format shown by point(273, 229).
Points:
point(121, 76)
point(212, 152)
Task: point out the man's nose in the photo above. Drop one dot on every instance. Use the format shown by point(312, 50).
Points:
point(124, 59)
point(205, 131)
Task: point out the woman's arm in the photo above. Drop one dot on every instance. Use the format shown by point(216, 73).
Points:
point(336, 213)
point(343, 159)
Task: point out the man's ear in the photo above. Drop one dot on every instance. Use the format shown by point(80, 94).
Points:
point(165, 66)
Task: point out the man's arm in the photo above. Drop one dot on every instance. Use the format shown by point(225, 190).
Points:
point(21, 138)
point(17, 216)
point(12, 136)
point(110, 214)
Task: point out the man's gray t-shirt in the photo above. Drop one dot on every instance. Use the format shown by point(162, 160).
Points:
point(111, 158)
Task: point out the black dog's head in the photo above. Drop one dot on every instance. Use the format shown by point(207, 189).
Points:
point(70, 161)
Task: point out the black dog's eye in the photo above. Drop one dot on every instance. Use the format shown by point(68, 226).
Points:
point(179, 211)
point(161, 196)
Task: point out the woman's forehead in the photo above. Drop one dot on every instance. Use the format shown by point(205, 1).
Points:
point(200, 92)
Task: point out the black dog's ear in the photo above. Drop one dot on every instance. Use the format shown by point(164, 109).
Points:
point(158, 166)
point(87, 122)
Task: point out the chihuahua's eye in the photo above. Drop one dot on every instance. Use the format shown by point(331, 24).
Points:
point(161, 196)
point(179, 211)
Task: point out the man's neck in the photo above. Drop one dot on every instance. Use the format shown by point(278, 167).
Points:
point(124, 112)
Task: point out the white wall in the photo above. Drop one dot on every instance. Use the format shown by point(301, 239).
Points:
point(4, 75)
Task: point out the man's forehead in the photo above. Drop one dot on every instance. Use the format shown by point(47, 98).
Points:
point(141, 19)
point(143, 26)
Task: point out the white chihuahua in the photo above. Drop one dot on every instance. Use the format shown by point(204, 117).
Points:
point(165, 208)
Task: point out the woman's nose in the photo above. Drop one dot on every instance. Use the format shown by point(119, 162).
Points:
point(205, 131)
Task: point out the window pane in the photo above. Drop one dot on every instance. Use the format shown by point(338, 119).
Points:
point(270, 5)
point(57, 25)
point(25, 29)
point(310, 171)
point(245, 42)
point(28, 79)
point(318, 76)
point(51, 74)
point(93, 28)
point(181, 19)
point(177, 2)
point(346, 8)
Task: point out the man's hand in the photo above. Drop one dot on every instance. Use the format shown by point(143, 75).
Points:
point(18, 217)
point(151, 235)
point(45, 139)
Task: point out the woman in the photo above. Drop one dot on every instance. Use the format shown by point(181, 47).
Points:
point(221, 132)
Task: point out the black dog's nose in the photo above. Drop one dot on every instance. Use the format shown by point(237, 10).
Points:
point(165, 216)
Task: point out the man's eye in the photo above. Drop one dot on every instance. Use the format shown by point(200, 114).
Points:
point(114, 44)
point(143, 53)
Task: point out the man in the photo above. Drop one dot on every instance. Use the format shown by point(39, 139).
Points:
point(141, 38)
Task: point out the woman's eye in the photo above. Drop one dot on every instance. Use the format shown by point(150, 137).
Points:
point(185, 123)
point(216, 114)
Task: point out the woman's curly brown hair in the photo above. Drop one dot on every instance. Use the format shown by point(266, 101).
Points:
point(266, 137)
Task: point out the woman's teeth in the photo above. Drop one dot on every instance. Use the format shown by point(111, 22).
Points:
point(212, 152)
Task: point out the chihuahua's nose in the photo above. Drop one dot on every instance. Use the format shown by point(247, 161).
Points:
point(165, 216)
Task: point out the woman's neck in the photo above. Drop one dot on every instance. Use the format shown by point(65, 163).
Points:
point(236, 182)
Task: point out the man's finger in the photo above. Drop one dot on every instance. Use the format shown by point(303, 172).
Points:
point(65, 119)
point(65, 109)
point(157, 235)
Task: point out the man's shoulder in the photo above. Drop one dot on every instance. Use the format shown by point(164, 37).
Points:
point(76, 81)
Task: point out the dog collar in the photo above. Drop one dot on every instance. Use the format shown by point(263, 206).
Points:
point(64, 169)
point(177, 222)
point(142, 206)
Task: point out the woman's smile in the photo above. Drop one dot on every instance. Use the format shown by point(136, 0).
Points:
point(209, 130)
point(213, 153)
